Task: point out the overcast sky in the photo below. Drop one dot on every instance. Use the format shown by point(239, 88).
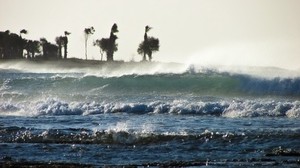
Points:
point(226, 32)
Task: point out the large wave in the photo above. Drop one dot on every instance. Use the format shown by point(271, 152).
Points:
point(202, 83)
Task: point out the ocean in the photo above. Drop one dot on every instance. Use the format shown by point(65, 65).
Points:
point(148, 114)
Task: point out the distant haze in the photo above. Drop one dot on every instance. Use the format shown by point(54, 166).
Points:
point(208, 32)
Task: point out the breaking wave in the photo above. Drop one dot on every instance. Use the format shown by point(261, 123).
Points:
point(235, 108)
point(209, 83)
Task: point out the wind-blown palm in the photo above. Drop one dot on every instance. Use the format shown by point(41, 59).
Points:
point(65, 40)
point(23, 31)
point(87, 33)
point(59, 41)
point(108, 45)
point(148, 46)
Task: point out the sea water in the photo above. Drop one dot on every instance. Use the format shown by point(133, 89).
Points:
point(192, 116)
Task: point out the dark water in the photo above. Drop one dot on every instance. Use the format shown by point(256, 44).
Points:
point(190, 118)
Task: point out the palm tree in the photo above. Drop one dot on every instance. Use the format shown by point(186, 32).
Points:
point(59, 41)
point(87, 33)
point(44, 43)
point(32, 47)
point(108, 45)
point(23, 31)
point(112, 46)
point(148, 46)
point(50, 51)
point(65, 40)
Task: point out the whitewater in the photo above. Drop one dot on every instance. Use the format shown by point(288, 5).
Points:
point(148, 114)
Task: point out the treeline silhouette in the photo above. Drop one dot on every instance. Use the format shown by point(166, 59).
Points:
point(14, 46)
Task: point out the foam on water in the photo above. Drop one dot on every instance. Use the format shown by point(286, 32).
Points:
point(235, 108)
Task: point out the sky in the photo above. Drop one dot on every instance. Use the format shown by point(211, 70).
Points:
point(206, 32)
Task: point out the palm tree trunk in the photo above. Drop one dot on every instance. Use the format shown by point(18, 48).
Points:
point(150, 56)
point(86, 49)
point(59, 51)
point(66, 51)
point(101, 54)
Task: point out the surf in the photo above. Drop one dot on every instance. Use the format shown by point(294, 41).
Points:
point(208, 83)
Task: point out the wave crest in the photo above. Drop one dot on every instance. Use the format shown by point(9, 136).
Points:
point(236, 108)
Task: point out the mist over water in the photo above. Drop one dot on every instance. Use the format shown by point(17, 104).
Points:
point(141, 68)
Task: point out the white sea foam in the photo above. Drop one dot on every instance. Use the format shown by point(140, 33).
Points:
point(240, 108)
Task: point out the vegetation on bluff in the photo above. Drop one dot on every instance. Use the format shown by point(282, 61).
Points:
point(14, 46)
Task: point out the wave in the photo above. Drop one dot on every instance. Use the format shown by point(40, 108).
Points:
point(113, 136)
point(233, 109)
point(208, 83)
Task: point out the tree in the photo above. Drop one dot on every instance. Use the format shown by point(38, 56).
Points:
point(62, 42)
point(32, 48)
point(11, 45)
point(101, 44)
point(23, 31)
point(108, 45)
point(2, 43)
point(59, 41)
point(50, 51)
point(148, 46)
point(65, 40)
point(87, 33)
point(35, 48)
point(44, 43)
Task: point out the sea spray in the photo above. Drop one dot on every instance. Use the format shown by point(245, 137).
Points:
point(235, 108)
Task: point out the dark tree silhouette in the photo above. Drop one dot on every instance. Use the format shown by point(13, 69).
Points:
point(87, 33)
point(32, 48)
point(65, 40)
point(108, 45)
point(60, 42)
point(102, 46)
point(50, 51)
point(148, 46)
point(2, 43)
point(23, 31)
point(11, 45)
